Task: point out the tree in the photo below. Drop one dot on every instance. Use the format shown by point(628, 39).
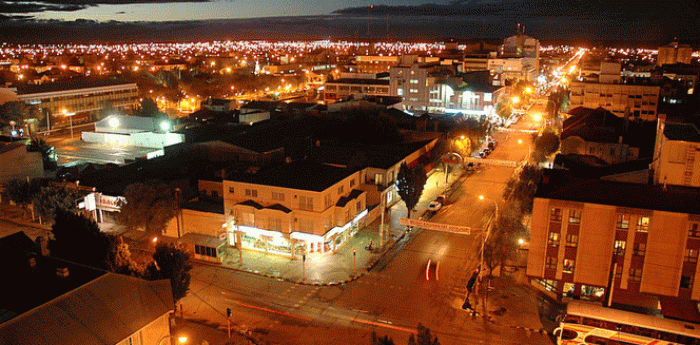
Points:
point(23, 191)
point(148, 206)
point(18, 112)
point(376, 340)
point(547, 143)
point(78, 239)
point(51, 198)
point(119, 259)
point(423, 337)
point(147, 108)
point(48, 153)
point(410, 182)
point(171, 263)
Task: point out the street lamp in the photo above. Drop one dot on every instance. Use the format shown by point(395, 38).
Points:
point(180, 340)
point(70, 116)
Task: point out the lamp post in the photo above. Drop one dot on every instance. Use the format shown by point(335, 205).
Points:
point(70, 117)
point(180, 340)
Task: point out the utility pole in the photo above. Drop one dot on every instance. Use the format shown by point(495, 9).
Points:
point(354, 266)
point(303, 267)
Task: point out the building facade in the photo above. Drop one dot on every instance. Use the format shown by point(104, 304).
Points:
point(677, 154)
point(340, 89)
point(674, 53)
point(616, 243)
point(77, 99)
point(636, 100)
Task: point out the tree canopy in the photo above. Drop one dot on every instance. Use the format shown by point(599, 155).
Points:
point(148, 206)
point(547, 143)
point(18, 112)
point(48, 153)
point(423, 337)
point(78, 239)
point(410, 182)
point(170, 262)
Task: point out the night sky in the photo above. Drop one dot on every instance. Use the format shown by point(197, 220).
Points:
point(115, 20)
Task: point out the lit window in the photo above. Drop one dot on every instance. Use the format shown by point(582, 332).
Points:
point(251, 193)
point(643, 224)
point(399, 91)
point(568, 266)
point(691, 256)
point(571, 240)
point(620, 247)
point(623, 221)
point(575, 216)
point(553, 239)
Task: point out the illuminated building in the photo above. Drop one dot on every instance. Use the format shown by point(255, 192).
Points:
point(614, 242)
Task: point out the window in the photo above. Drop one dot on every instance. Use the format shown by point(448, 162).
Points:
point(340, 190)
point(623, 221)
point(230, 190)
point(575, 216)
point(413, 90)
point(636, 274)
point(551, 263)
point(399, 92)
point(694, 230)
point(640, 249)
point(571, 240)
point(686, 282)
point(306, 225)
point(306, 203)
point(568, 266)
point(359, 206)
point(278, 196)
point(555, 215)
point(553, 239)
point(643, 224)
point(328, 202)
point(620, 247)
point(274, 223)
point(691, 256)
point(251, 193)
point(206, 251)
point(413, 81)
point(379, 179)
point(352, 183)
point(618, 273)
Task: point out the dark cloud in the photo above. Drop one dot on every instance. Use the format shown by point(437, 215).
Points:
point(22, 6)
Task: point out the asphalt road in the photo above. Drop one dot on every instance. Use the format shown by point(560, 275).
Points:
point(403, 289)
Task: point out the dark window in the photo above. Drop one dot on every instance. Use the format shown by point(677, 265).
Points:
point(640, 249)
point(623, 221)
point(571, 240)
point(555, 215)
point(686, 282)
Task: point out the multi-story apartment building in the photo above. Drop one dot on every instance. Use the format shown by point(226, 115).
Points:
point(618, 243)
point(342, 88)
point(677, 154)
point(76, 98)
point(674, 53)
point(376, 63)
point(523, 46)
point(622, 99)
point(413, 84)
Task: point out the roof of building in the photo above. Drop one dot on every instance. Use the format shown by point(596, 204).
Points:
point(682, 132)
point(128, 124)
point(359, 81)
point(562, 185)
point(73, 84)
point(343, 200)
point(302, 175)
point(204, 206)
point(106, 310)
point(17, 242)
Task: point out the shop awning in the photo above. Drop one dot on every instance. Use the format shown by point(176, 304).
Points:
point(202, 240)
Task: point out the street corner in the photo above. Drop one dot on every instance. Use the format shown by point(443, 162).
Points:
point(206, 332)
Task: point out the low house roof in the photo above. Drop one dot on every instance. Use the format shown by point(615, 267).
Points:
point(106, 310)
point(302, 175)
point(72, 84)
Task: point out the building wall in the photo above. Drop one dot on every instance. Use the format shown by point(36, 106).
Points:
point(152, 333)
point(413, 84)
point(677, 162)
point(619, 99)
point(645, 251)
point(376, 64)
point(20, 164)
point(337, 90)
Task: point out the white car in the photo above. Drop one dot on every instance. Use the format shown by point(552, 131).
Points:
point(434, 206)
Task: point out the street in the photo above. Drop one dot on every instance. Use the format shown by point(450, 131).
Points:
point(422, 279)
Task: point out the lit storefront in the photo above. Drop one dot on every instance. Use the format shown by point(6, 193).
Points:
point(276, 242)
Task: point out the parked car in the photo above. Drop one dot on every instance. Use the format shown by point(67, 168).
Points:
point(434, 206)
